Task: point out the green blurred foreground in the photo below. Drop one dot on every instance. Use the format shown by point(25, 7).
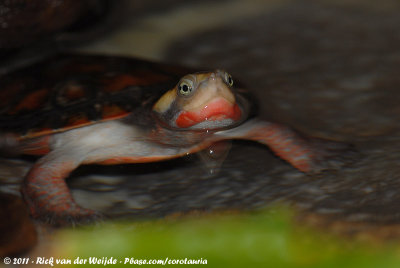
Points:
point(265, 239)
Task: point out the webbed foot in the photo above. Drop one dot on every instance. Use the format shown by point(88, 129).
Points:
point(58, 212)
point(48, 197)
point(309, 155)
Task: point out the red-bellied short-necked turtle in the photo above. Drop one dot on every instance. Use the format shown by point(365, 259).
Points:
point(76, 109)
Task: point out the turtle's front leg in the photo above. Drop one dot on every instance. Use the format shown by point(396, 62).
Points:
point(307, 155)
point(47, 194)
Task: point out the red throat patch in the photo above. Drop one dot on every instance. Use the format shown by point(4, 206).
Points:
point(219, 109)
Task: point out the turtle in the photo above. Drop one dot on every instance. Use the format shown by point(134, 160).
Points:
point(75, 109)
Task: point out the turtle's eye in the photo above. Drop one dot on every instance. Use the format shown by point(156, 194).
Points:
point(185, 87)
point(228, 79)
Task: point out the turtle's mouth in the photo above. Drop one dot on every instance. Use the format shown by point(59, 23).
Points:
point(215, 114)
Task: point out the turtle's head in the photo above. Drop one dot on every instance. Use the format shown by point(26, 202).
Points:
point(201, 101)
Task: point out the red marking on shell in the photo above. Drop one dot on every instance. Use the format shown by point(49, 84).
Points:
point(117, 83)
point(37, 132)
point(80, 119)
point(216, 110)
point(31, 101)
point(113, 111)
point(73, 92)
point(38, 146)
point(10, 91)
point(140, 78)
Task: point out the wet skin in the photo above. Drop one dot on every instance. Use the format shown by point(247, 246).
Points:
point(203, 108)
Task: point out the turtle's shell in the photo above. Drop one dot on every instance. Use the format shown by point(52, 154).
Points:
point(69, 91)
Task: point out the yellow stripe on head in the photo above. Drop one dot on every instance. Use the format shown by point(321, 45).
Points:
point(165, 101)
